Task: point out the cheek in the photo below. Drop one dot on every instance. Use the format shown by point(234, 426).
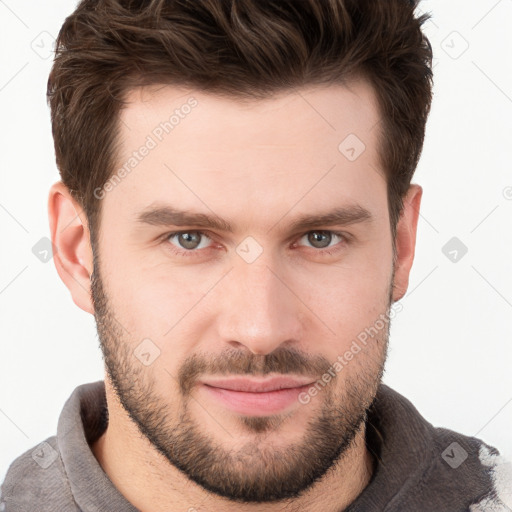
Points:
point(159, 301)
point(347, 297)
point(354, 310)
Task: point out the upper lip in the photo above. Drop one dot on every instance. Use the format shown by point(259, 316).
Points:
point(258, 385)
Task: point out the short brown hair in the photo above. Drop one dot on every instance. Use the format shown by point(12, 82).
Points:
point(241, 49)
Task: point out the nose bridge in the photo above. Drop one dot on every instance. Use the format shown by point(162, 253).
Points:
point(259, 311)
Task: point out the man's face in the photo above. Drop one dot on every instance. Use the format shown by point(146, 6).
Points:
point(263, 298)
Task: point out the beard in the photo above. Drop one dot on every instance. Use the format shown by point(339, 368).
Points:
point(259, 471)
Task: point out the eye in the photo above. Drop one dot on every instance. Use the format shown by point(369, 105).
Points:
point(321, 239)
point(187, 241)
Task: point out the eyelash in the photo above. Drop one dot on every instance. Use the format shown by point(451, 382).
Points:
point(194, 252)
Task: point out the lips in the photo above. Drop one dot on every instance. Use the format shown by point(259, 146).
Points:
point(258, 385)
point(255, 397)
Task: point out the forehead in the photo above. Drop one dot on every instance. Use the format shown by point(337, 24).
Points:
point(340, 109)
point(215, 154)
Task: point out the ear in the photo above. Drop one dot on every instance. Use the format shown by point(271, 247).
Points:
point(406, 240)
point(70, 234)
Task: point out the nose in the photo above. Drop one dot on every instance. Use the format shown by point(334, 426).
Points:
point(258, 309)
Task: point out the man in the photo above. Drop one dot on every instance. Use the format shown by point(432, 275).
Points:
point(236, 211)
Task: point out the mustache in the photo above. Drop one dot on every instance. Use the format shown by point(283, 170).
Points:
point(234, 362)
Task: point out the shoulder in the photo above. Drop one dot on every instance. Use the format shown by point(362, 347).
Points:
point(36, 481)
point(467, 467)
point(435, 468)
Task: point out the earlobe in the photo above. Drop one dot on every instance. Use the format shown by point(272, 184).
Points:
point(406, 240)
point(70, 235)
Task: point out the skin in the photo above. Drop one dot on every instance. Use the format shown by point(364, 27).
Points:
point(291, 311)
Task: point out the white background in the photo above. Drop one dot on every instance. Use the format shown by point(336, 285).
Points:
point(451, 346)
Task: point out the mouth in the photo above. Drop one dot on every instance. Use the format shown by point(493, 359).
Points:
point(255, 397)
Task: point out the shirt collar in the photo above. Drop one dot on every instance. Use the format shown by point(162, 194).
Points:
point(397, 436)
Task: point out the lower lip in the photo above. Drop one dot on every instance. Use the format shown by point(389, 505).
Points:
point(255, 404)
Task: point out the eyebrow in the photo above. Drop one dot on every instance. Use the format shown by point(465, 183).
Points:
point(168, 216)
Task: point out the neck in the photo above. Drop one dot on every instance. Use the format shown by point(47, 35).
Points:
point(151, 484)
